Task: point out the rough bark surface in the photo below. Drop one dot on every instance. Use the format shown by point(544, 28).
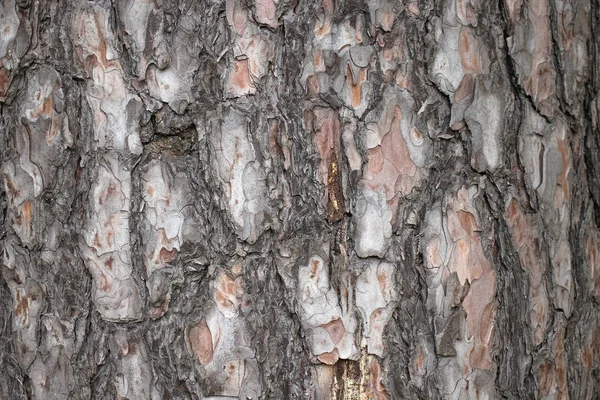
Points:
point(292, 199)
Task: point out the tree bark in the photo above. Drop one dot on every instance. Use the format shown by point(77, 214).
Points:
point(284, 199)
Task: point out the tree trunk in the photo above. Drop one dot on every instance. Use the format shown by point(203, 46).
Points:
point(285, 199)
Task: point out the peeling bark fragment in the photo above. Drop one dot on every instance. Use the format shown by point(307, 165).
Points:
point(241, 174)
point(239, 82)
point(349, 130)
point(134, 377)
point(135, 16)
point(360, 379)
point(28, 300)
point(573, 41)
point(252, 47)
point(106, 246)
point(552, 374)
point(592, 251)
point(485, 119)
point(376, 297)
point(462, 70)
point(398, 151)
point(18, 185)
point(531, 51)
point(590, 358)
point(330, 325)
point(164, 59)
point(326, 125)
point(553, 189)
point(396, 63)
point(108, 94)
point(52, 373)
point(266, 12)
point(339, 60)
point(459, 53)
point(220, 342)
point(200, 338)
point(384, 12)
point(454, 246)
point(336, 205)
point(41, 137)
point(534, 258)
point(165, 197)
point(8, 26)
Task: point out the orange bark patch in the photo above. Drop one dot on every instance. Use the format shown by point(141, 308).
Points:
point(4, 80)
point(480, 357)
point(376, 160)
point(545, 79)
point(336, 330)
point(480, 295)
point(487, 323)
point(166, 256)
point(318, 59)
point(329, 358)
point(387, 19)
point(201, 342)
point(227, 292)
point(158, 311)
point(413, 8)
point(52, 131)
point(467, 221)
point(559, 362)
point(327, 137)
point(315, 269)
point(150, 191)
point(22, 308)
point(378, 391)
point(12, 189)
point(274, 139)
point(96, 241)
point(593, 258)
point(419, 359)
point(545, 377)
point(382, 278)
point(265, 12)
point(47, 107)
point(433, 252)
point(26, 213)
point(108, 194)
point(240, 18)
point(398, 174)
point(596, 345)
point(469, 53)
point(516, 222)
point(355, 85)
point(587, 357)
point(240, 77)
point(106, 282)
point(312, 86)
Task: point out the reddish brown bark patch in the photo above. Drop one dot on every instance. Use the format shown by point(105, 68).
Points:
point(201, 342)
point(336, 330)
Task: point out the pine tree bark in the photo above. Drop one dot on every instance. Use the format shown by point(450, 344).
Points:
point(284, 199)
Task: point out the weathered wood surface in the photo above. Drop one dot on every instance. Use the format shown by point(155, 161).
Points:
point(300, 199)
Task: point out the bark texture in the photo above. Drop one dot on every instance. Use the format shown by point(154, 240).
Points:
point(293, 199)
